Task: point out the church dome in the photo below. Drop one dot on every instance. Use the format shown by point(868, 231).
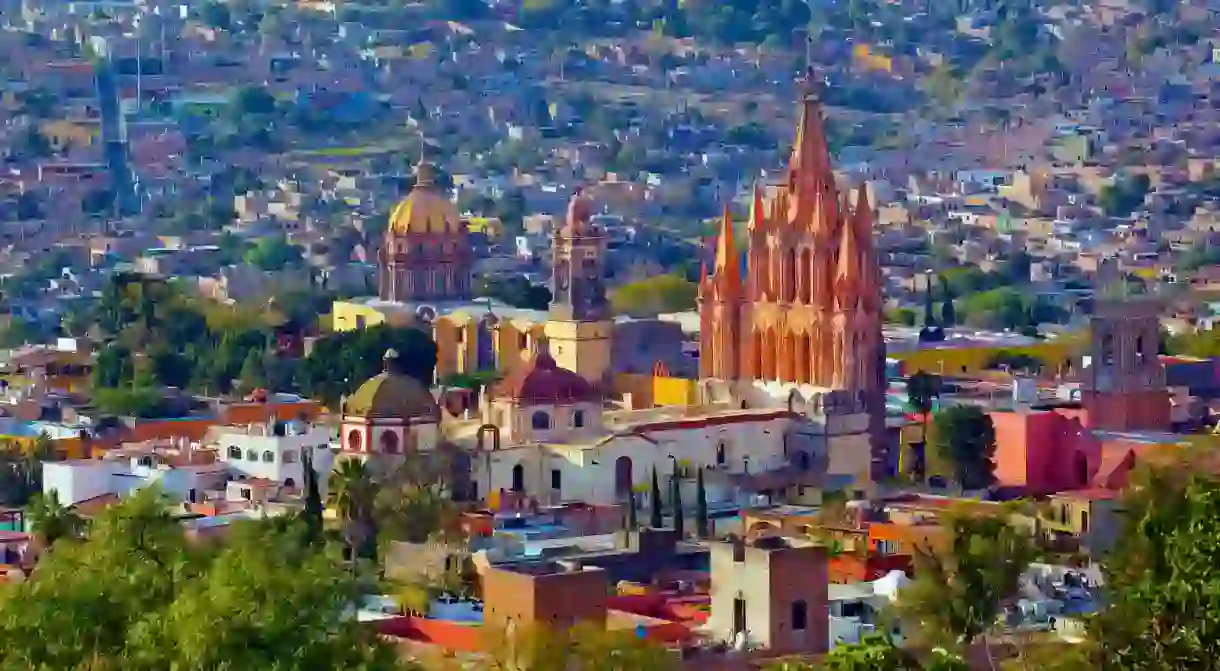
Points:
point(392, 395)
point(426, 209)
point(543, 382)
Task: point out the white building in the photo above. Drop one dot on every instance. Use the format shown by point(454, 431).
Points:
point(274, 451)
point(266, 458)
point(544, 433)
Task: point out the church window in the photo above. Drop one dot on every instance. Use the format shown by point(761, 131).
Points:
point(251, 455)
point(556, 479)
point(354, 441)
point(268, 457)
point(578, 418)
point(389, 442)
point(800, 615)
point(540, 420)
point(721, 457)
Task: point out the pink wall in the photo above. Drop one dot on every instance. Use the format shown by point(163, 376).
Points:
point(1045, 451)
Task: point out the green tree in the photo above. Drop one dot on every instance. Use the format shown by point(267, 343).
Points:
point(253, 101)
point(135, 595)
point(702, 526)
point(655, 519)
point(655, 295)
point(676, 503)
point(1161, 577)
point(414, 505)
point(902, 316)
point(216, 15)
point(340, 362)
point(141, 402)
point(50, 520)
point(922, 391)
point(274, 253)
point(353, 493)
point(516, 291)
point(253, 371)
point(21, 470)
point(311, 514)
point(963, 581)
point(963, 436)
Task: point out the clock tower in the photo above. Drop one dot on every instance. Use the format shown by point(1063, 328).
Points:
point(579, 328)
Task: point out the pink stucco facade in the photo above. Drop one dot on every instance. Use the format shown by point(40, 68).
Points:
point(1045, 450)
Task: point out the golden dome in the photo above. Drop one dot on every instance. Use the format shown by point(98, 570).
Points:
point(392, 395)
point(426, 209)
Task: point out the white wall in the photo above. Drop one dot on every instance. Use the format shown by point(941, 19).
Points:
point(588, 473)
point(76, 481)
point(279, 468)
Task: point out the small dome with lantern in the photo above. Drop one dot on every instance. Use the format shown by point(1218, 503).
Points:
point(392, 394)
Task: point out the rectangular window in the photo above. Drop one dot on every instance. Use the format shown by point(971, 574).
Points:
point(556, 479)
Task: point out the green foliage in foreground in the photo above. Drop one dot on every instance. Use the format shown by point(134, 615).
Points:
point(135, 595)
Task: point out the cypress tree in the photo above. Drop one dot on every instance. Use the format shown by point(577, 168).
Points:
point(312, 514)
point(679, 523)
point(633, 521)
point(948, 316)
point(655, 520)
point(702, 528)
point(929, 315)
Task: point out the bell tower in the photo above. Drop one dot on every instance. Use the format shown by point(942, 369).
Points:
point(579, 328)
point(1123, 385)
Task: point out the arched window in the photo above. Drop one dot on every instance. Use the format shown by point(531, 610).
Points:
point(389, 442)
point(354, 441)
point(578, 418)
point(289, 482)
point(234, 452)
point(540, 420)
point(268, 457)
point(519, 478)
point(800, 615)
point(251, 455)
point(721, 457)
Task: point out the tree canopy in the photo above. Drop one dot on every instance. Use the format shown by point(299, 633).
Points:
point(341, 362)
point(655, 295)
point(1163, 576)
point(962, 581)
point(133, 594)
point(963, 438)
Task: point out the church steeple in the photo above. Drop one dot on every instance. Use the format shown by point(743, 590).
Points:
point(727, 277)
point(578, 291)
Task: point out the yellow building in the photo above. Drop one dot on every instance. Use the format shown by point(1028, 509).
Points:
point(470, 337)
point(973, 357)
point(64, 133)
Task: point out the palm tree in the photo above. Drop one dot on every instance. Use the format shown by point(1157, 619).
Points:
point(922, 391)
point(352, 492)
point(50, 520)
